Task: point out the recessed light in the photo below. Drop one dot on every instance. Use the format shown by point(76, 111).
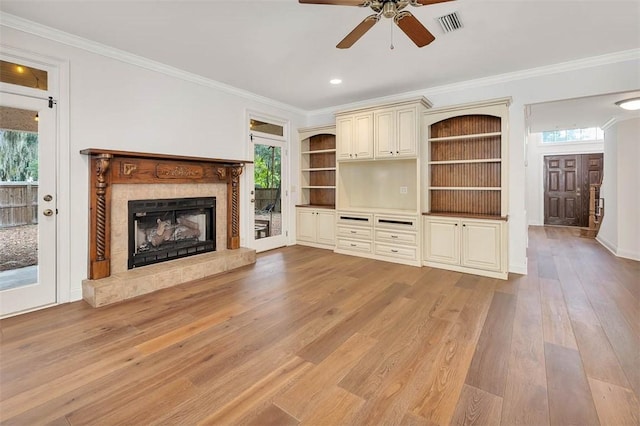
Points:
point(632, 104)
point(335, 81)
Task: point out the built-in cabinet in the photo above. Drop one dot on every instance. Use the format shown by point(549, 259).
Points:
point(411, 185)
point(316, 227)
point(355, 136)
point(396, 132)
point(315, 213)
point(465, 201)
point(386, 236)
point(466, 245)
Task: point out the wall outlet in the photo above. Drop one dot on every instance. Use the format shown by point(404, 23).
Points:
point(403, 189)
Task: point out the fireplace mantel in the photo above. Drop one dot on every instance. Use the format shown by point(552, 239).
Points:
point(110, 167)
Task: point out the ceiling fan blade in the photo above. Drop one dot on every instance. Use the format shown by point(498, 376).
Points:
point(358, 32)
point(335, 2)
point(428, 2)
point(413, 29)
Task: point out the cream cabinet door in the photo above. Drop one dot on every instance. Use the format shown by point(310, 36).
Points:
point(306, 225)
point(344, 137)
point(384, 134)
point(362, 146)
point(442, 240)
point(407, 132)
point(326, 227)
point(481, 245)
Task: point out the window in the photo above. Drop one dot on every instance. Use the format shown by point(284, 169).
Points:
point(23, 75)
point(573, 135)
point(261, 126)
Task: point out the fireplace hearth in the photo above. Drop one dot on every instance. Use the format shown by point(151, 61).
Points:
point(167, 229)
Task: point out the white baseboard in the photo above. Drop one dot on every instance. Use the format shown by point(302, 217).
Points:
point(75, 294)
point(519, 268)
point(618, 252)
point(628, 254)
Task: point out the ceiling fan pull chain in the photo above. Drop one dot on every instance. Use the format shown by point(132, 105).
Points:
point(391, 47)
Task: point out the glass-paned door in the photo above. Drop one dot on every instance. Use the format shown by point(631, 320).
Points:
point(27, 204)
point(266, 195)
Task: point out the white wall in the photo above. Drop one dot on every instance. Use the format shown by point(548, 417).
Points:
point(620, 230)
point(608, 233)
point(120, 106)
point(536, 151)
point(534, 86)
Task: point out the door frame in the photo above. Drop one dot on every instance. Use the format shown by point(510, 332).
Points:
point(58, 89)
point(247, 236)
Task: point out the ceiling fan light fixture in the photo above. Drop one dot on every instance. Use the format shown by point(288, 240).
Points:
point(389, 9)
point(335, 81)
point(632, 104)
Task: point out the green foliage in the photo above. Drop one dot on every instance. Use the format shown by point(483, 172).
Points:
point(18, 156)
point(267, 166)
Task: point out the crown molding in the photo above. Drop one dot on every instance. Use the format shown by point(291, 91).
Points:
point(53, 34)
point(578, 64)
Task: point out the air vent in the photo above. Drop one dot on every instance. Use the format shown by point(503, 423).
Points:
point(450, 22)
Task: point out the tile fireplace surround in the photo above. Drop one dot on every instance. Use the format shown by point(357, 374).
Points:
point(119, 176)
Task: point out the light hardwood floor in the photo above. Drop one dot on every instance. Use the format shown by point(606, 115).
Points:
point(307, 336)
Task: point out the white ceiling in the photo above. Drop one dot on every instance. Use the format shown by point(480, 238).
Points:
point(286, 51)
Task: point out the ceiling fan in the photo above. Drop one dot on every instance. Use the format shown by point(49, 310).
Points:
point(389, 9)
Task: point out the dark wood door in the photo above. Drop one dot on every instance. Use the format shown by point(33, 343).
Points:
point(566, 187)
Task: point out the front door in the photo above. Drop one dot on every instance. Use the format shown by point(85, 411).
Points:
point(27, 204)
point(566, 187)
point(269, 216)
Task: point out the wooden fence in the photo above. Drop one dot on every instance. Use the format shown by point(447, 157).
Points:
point(18, 203)
point(266, 196)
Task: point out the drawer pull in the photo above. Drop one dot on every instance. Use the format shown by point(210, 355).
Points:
point(394, 236)
point(353, 245)
point(394, 251)
point(361, 219)
point(396, 222)
point(353, 232)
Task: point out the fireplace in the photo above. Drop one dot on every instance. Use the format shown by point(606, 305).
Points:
point(167, 229)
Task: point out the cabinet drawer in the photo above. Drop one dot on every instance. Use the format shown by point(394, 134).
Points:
point(408, 223)
point(409, 253)
point(360, 246)
point(407, 238)
point(358, 219)
point(353, 232)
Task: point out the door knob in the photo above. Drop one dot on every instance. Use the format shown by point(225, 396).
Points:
point(48, 212)
point(47, 197)
point(253, 200)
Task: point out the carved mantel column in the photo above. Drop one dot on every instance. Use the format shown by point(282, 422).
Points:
point(233, 206)
point(109, 167)
point(100, 217)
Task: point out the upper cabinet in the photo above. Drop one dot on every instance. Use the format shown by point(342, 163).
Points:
point(396, 132)
point(355, 136)
point(381, 132)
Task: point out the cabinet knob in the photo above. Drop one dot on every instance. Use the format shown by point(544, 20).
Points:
point(355, 155)
point(456, 224)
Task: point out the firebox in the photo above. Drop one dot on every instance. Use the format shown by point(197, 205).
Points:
point(161, 230)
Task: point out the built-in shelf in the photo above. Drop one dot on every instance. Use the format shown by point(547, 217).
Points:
point(480, 160)
point(459, 137)
point(319, 151)
point(467, 215)
point(318, 166)
point(464, 188)
point(317, 206)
